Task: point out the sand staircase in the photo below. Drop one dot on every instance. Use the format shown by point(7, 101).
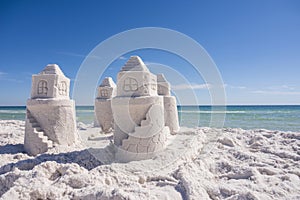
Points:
point(38, 137)
point(145, 122)
point(143, 127)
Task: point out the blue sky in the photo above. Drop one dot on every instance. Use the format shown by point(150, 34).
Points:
point(255, 44)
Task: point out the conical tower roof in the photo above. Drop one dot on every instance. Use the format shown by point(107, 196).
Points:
point(52, 69)
point(108, 82)
point(135, 63)
point(161, 78)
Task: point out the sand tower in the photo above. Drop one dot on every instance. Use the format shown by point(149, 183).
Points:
point(50, 117)
point(138, 112)
point(170, 105)
point(103, 112)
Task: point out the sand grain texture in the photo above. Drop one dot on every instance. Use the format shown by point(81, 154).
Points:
point(240, 164)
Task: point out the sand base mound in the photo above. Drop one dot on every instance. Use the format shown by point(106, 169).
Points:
point(237, 164)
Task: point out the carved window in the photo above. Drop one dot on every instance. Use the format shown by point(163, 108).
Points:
point(42, 87)
point(104, 93)
point(62, 89)
point(130, 84)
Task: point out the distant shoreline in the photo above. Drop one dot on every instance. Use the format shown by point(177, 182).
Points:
point(233, 105)
point(271, 117)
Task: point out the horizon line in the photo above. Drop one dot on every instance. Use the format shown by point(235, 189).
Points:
point(186, 105)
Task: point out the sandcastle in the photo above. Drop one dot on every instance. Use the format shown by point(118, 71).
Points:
point(139, 110)
point(50, 115)
point(142, 111)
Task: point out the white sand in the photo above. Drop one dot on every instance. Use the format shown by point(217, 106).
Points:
point(242, 164)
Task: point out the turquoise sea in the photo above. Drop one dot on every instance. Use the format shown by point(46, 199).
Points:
point(284, 118)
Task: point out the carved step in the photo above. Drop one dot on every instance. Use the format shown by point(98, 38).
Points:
point(48, 142)
point(44, 139)
point(145, 122)
point(39, 132)
point(37, 128)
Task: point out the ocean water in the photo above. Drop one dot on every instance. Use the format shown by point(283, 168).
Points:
point(284, 118)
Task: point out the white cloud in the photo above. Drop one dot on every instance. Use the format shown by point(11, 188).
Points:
point(78, 55)
point(4, 77)
point(206, 86)
point(2, 73)
point(276, 92)
point(282, 87)
point(122, 58)
point(191, 86)
point(238, 87)
point(234, 87)
point(151, 63)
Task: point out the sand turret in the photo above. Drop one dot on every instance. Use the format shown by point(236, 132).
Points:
point(170, 106)
point(103, 112)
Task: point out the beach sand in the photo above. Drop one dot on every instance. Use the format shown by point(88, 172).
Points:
point(236, 164)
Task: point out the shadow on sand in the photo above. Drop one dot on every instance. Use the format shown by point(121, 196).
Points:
point(12, 149)
point(87, 158)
